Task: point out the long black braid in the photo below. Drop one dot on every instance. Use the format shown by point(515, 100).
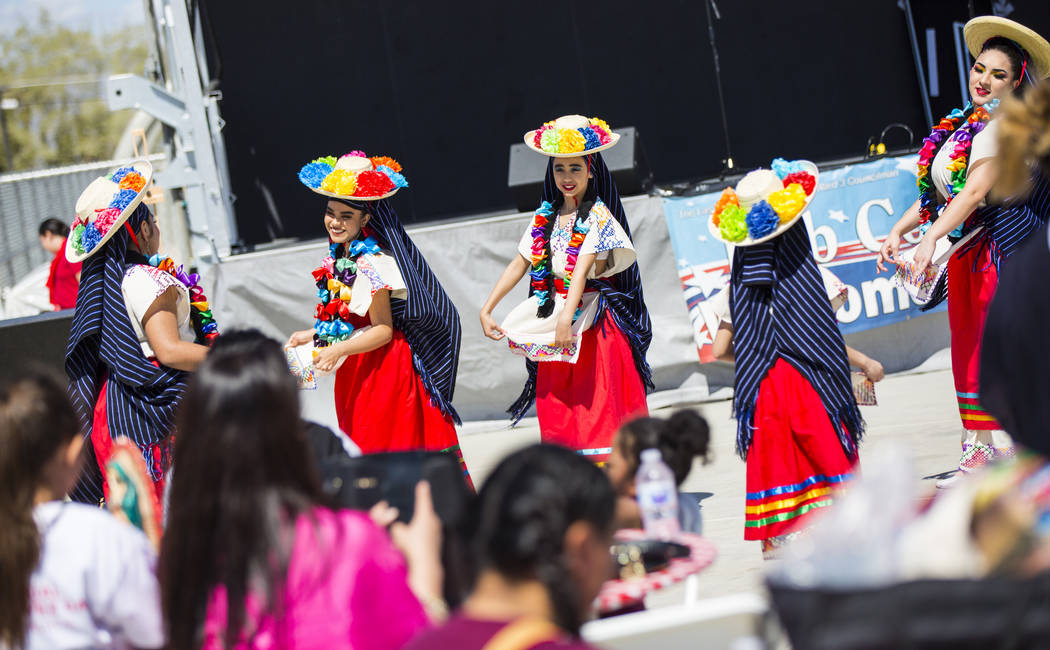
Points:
point(590, 195)
point(523, 512)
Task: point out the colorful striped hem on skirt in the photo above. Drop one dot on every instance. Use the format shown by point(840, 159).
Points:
point(974, 417)
point(788, 502)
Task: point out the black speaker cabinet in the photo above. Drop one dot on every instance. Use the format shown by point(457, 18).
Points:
point(626, 161)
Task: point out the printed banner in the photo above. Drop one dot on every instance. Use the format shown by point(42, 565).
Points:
point(853, 210)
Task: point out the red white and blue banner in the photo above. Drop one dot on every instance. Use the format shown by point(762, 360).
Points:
point(852, 212)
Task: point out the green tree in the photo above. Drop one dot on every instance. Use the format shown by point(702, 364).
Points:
point(55, 73)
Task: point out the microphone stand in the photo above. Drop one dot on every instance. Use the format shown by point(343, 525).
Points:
point(727, 162)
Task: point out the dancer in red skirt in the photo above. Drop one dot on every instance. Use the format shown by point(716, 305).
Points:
point(798, 423)
point(383, 322)
point(586, 363)
point(957, 169)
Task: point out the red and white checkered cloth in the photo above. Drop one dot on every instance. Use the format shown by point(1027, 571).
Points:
point(617, 594)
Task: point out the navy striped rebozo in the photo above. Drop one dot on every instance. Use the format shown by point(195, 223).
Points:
point(1006, 227)
point(780, 310)
point(140, 398)
point(426, 317)
point(621, 298)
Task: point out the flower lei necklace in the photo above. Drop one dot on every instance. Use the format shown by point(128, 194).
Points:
point(974, 124)
point(204, 325)
point(541, 263)
point(335, 278)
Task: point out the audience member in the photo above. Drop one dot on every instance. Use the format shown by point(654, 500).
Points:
point(251, 557)
point(680, 438)
point(73, 576)
point(541, 540)
point(64, 278)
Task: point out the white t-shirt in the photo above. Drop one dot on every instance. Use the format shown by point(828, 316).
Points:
point(95, 586)
point(142, 285)
point(983, 147)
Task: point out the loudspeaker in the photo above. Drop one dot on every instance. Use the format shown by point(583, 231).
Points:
point(626, 161)
point(34, 340)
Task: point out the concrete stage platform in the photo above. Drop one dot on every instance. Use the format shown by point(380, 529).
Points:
point(916, 411)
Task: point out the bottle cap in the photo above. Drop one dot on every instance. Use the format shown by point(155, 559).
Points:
point(651, 455)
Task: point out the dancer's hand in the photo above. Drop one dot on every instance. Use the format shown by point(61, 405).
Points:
point(923, 255)
point(329, 358)
point(489, 326)
point(873, 371)
point(888, 252)
point(302, 337)
point(563, 332)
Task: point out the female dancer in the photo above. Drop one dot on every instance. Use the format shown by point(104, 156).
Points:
point(141, 324)
point(798, 423)
point(957, 168)
point(383, 322)
point(585, 341)
point(251, 558)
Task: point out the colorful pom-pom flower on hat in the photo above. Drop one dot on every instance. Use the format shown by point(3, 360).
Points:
point(570, 141)
point(373, 184)
point(727, 199)
point(732, 225)
point(805, 179)
point(762, 219)
point(339, 179)
point(788, 202)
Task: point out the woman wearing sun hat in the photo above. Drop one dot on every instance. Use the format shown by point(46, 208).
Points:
point(798, 424)
point(383, 322)
point(957, 168)
point(586, 364)
point(141, 324)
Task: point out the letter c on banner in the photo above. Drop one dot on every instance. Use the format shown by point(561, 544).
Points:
point(864, 227)
point(831, 242)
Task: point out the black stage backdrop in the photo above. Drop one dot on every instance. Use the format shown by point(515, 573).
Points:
point(446, 87)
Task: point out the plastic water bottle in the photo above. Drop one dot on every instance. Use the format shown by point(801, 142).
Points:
point(657, 496)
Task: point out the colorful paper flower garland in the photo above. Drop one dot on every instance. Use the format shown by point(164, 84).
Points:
point(541, 262)
point(204, 325)
point(335, 279)
point(959, 155)
point(735, 224)
point(85, 236)
point(551, 139)
point(384, 177)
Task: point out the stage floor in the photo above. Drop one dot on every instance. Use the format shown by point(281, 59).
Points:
point(916, 412)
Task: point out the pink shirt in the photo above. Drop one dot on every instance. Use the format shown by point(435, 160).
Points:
point(346, 588)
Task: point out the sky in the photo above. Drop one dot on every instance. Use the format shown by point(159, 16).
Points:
point(100, 16)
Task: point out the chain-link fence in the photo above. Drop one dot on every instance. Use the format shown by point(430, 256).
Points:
point(28, 198)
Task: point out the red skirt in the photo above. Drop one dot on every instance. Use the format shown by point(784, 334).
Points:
point(382, 405)
point(795, 461)
point(157, 455)
point(581, 405)
point(969, 294)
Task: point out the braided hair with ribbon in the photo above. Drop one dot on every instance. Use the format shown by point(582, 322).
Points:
point(620, 296)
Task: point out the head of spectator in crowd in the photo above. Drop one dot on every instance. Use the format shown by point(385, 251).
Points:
point(40, 445)
point(680, 438)
point(1024, 141)
point(243, 471)
point(53, 233)
point(544, 525)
